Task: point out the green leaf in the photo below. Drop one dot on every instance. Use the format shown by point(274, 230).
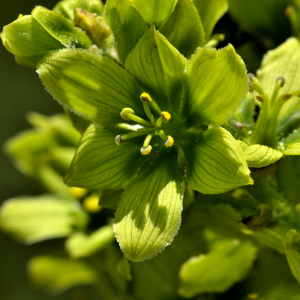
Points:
point(184, 28)
point(124, 269)
point(59, 274)
point(217, 271)
point(127, 25)
point(92, 86)
point(159, 68)
point(61, 28)
point(217, 84)
point(291, 145)
point(292, 252)
point(262, 17)
point(31, 219)
point(81, 245)
point(215, 163)
point(283, 62)
point(149, 214)
point(210, 12)
point(28, 41)
point(258, 156)
point(100, 164)
point(67, 7)
point(110, 198)
point(155, 11)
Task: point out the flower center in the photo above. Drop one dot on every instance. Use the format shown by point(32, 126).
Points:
point(149, 128)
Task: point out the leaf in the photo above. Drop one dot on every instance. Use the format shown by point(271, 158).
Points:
point(184, 28)
point(210, 12)
point(59, 274)
point(67, 7)
point(155, 11)
point(292, 252)
point(33, 219)
point(149, 214)
point(127, 25)
point(217, 271)
point(283, 62)
point(61, 28)
point(159, 68)
point(215, 164)
point(110, 198)
point(94, 87)
point(291, 145)
point(80, 244)
point(217, 84)
point(100, 164)
point(28, 41)
point(262, 17)
point(258, 156)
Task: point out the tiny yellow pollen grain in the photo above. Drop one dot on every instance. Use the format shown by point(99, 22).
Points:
point(146, 151)
point(91, 203)
point(20, 16)
point(145, 97)
point(166, 116)
point(169, 142)
point(77, 192)
point(252, 296)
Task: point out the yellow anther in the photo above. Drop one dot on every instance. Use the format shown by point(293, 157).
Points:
point(252, 296)
point(145, 97)
point(260, 98)
point(20, 16)
point(287, 97)
point(119, 140)
point(91, 203)
point(146, 151)
point(169, 142)
point(124, 113)
point(166, 116)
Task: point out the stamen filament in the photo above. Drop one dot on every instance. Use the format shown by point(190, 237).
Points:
point(147, 140)
point(279, 84)
point(139, 120)
point(255, 83)
point(131, 135)
point(159, 122)
point(148, 112)
point(163, 135)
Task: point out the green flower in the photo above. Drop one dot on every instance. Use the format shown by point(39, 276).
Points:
point(153, 120)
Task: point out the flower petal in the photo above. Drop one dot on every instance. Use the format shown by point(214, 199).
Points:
point(215, 163)
point(127, 25)
point(149, 214)
point(159, 67)
point(93, 86)
point(217, 84)
point(100, 164)
point(155, 11)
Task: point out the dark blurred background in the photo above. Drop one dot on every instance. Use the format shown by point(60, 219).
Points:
point(20, 92)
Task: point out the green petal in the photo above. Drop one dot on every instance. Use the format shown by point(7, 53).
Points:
point(58, 274)
point(258, 156)
point(92, 86)
point(217, 271)
point(283, 62)
point(81, 245)
point(100, 164)
point(155, 11)
point(28, 41)
point(291, 145)
point(61, 28)
point(184, 28)
point(159, 67)
point(149, 214)
point(35, 219)
point(215, 163)
point(292, 252)
point(210, 12)
point(127, 25)
point(217, 84)
point(110, 198)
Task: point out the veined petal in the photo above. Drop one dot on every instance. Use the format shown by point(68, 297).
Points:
point(100, 164)
point(217, 84)
point(215, 163)
point(159, 67)
point(149, 214)
point(93, 86)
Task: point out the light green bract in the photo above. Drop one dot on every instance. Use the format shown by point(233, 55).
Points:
point(142, 119)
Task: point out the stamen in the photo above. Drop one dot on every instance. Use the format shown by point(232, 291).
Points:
point(131, 135)
point(124, 113)
point(166, 116)
point(255, 84)
point(169, 142)
point(145, 97)
point(139, 120)
point(147, 140)
point(119, 140)
point(260, 98)
point(280, 81)
point(146, 151)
